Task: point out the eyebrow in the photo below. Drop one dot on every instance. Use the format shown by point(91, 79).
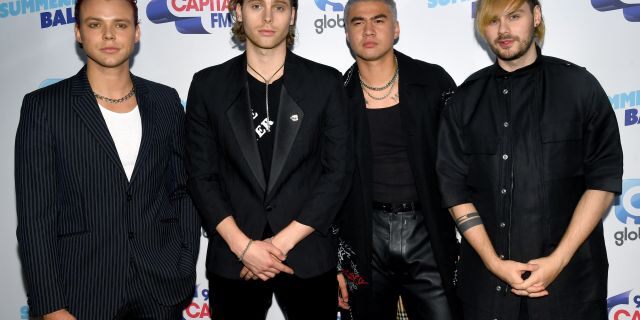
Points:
point(359, 18)
point(519, 10)
point(114, 20)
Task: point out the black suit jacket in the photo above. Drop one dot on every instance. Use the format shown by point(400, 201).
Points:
point(309, 168)
point(422, 89)
point(80, 220)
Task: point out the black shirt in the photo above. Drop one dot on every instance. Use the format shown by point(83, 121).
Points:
point(523, 147)
point(392, 176)
point(257, 91)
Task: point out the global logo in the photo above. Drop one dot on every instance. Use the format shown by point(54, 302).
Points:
point(627, 211)
point(630, 8)
point(625, 306)
point(325, 4)
point(191, 16)
point(628, 204)
point(329, 21)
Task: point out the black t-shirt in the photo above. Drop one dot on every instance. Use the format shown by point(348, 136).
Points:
point(392, 175)
point(257, 91)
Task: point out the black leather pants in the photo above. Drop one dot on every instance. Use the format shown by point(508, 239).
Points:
point(404, 265)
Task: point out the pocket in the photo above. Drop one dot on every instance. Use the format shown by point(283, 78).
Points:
point(71, 222)
point(560, 131)
point(562, 149)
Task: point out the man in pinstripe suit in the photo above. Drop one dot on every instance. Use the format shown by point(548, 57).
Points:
point(106, 229)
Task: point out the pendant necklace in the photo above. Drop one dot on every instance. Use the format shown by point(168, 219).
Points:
point(266, 96)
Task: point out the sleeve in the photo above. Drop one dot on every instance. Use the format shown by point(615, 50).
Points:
point(187, 214)
point(336, 159)
point(36, 189)
point(603, 158)
point(451, 162)
point(202, 161)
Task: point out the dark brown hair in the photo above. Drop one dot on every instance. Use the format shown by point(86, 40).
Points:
point(133, 3)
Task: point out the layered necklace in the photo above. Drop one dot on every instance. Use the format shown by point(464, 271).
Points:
point(115, 101)
point(266, 95)
point(390, 85)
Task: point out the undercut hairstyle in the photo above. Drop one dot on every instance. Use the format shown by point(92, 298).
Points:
point(238, 29)
point(487, 10)
point(78, 13)
point(390, 3)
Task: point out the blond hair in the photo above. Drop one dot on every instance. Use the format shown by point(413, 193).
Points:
point(487, 10)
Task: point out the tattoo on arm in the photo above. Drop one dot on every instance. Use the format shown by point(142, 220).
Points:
point(468, 221)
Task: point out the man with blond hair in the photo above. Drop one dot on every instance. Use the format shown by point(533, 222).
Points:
point(529, 160)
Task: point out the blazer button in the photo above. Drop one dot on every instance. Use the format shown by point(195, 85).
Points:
point(132, 235)
point(129, 197)
point(268, 208)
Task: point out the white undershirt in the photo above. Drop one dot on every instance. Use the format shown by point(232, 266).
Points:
point(126, 132)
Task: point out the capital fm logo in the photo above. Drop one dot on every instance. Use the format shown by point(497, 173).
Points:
point(191, 16)
point(630, 8)
point(625, 306)
point(199, 307)
point(627, 211)
point(333, 15)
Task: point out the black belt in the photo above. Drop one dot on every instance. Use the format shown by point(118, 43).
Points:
point(397, 207)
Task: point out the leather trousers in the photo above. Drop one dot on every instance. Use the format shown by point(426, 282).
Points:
point(404, 265)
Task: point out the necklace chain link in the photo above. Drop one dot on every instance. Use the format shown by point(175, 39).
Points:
point(116, 101)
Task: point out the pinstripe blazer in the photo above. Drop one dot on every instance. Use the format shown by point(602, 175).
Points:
point(81, 222)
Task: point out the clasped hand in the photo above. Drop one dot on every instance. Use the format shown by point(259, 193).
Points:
point(541, 273)
point(263, 260)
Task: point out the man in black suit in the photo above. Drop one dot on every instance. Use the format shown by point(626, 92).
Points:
point(395, 239)
point(106, 229)
point(267, 156)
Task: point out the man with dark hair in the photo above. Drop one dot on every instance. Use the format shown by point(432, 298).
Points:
point(106, 229)
point(395, 238)
point(268, 163)
point(529, 160)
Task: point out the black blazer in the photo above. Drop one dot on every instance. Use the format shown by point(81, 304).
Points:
point(80, 220)
point(422, 89)
point(309, 168)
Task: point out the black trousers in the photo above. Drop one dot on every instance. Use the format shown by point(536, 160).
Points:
point(299, 299)
point(404, 265)
point(139, 305)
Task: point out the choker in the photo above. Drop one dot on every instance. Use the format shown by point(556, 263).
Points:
point(116, 101)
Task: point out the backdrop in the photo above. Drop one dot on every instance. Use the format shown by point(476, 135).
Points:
point(180, 37)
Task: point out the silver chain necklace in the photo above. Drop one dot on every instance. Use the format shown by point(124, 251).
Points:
point(116, 101)
point(266, 95)
point(390, 83)
point(386, 95)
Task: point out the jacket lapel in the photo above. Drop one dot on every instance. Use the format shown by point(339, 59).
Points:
point(240, 118)
point(85, 105)
point(147, 117)
point(290, 117)
point(289, 120)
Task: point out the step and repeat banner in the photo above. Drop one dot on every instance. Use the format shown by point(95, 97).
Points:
point(180, 37)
